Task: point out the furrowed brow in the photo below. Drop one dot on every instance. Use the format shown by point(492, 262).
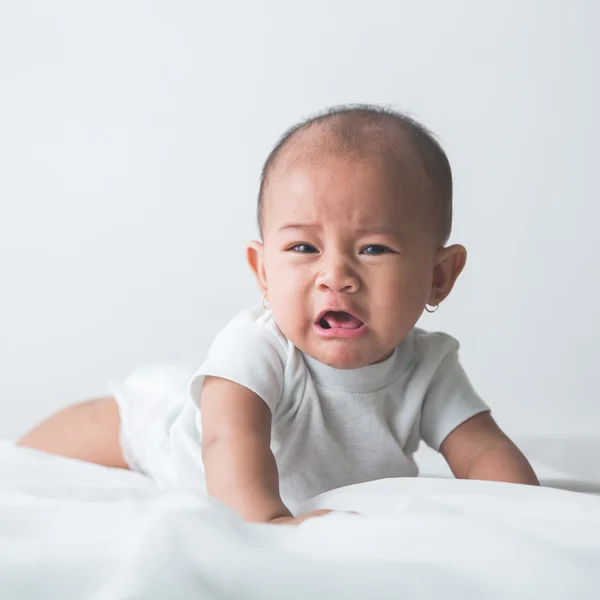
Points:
point(287, 226)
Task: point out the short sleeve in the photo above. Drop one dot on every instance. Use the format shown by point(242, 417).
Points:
point(450, 400)
point(249, 354)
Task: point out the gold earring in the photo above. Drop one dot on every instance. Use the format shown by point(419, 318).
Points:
point(265, 302)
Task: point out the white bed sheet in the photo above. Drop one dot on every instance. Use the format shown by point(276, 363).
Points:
point(73, 530)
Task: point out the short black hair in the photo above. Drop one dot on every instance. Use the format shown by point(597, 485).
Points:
point(353, 123)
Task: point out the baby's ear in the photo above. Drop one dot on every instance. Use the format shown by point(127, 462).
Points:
point(450, 262)
point(255, 255)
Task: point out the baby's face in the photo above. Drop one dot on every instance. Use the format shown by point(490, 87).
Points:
point(348, 256)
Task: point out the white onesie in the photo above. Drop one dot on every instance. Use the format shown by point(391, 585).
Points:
point(330, 427)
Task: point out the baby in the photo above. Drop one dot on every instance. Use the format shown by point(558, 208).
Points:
point(328, 383)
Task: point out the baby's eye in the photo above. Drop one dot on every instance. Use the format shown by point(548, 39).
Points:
point(303, 248)
point(375, 250)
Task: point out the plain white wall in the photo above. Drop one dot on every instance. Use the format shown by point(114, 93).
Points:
point(131, 139)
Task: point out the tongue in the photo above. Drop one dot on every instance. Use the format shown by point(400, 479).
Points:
point(341, 319)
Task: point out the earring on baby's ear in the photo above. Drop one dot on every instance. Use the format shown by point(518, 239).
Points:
point(265, 302)
point(433, 309)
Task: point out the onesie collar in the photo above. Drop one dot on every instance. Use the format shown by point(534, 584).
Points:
point(364, 379)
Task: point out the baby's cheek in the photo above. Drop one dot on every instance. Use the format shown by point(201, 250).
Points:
point(402, 299)
point(285, 287)
point(401, 285)
point(287, 301)
point(414, 284)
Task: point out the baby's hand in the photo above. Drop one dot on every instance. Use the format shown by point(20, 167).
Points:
point(297, 520)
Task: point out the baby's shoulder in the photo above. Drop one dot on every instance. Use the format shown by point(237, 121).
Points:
point(250, 351)
point(432, 345)
point(254, 328)
point(433, 358)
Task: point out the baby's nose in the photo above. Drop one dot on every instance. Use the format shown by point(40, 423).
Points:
point(338, 277)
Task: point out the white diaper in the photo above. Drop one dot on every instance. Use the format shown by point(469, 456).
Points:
point(159, 435)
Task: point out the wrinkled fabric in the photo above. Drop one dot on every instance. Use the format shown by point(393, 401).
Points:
point(72, 530)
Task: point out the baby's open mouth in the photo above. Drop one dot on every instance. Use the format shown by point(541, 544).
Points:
point(334, 319)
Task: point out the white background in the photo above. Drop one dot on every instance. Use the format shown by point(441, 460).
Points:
point(131, 139)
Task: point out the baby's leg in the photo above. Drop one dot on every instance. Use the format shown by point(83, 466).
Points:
point(86, 431)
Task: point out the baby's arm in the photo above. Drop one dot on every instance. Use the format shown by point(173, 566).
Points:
point(479, 449)
point(240, 468)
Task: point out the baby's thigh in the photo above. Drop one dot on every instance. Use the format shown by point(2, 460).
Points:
point(87, 431)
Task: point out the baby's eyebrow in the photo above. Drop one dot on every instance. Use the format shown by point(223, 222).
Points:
point(390, 231)
point(361, 231)
point(299, 226)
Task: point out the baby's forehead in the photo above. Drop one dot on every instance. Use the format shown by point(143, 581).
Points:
point(408, 158)
point(389, 151)
point(320, 141)
point(361, 190)
point(318, 153)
